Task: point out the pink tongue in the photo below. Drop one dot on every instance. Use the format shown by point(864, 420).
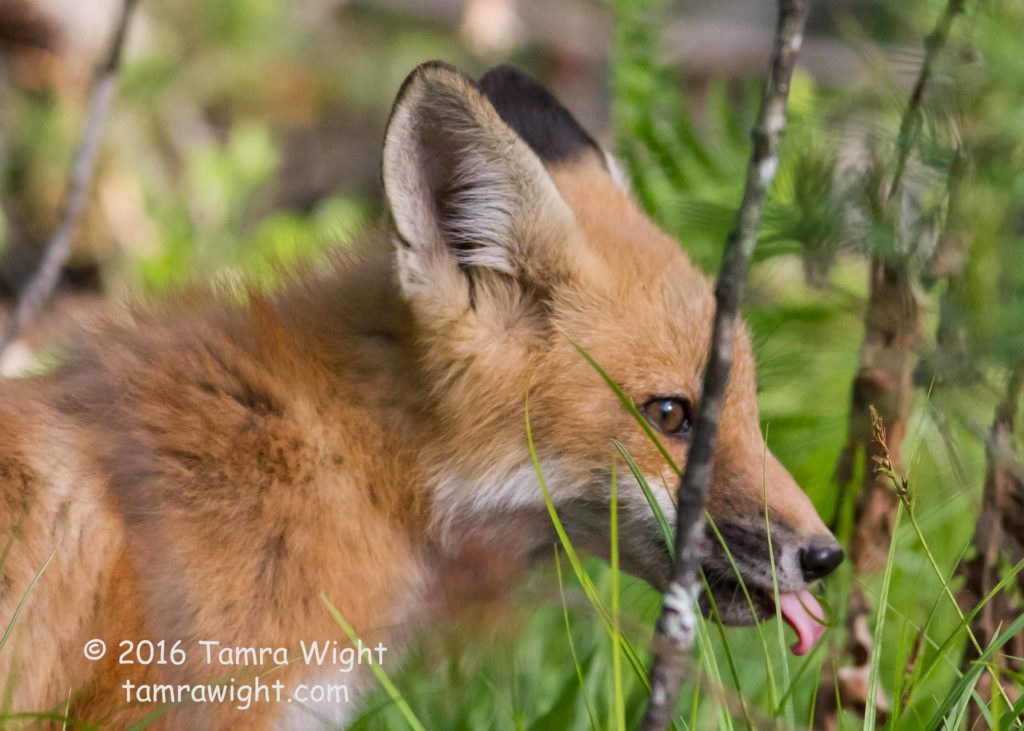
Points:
point(803, 613)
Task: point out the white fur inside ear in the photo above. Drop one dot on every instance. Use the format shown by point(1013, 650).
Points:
point(452, 175)
point(465, 191)
point(406, 190)
point(481, 213)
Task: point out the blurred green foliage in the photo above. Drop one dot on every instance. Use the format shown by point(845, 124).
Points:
point(211, 131)
point(805, 307)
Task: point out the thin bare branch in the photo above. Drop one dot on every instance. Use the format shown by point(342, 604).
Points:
point(40, 286)
point(911, 121)
point(674, 633)
point(998, 542)
point(884, 381)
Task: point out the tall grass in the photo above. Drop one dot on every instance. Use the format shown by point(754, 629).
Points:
point(749, 694)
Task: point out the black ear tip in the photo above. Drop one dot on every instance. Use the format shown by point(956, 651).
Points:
point(505, 82)
point(535, 114)
point(504, 73)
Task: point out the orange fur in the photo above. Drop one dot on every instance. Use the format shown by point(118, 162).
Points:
point(205, 469)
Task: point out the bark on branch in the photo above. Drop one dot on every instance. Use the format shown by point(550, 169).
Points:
point(675, 630)
point(998, 544)
point(40, 285)
point(884, 381)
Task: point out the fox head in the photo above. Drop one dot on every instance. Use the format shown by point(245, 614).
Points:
point(517, 245)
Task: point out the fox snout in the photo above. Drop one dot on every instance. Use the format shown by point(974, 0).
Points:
point(753, 495)
point(799, 561)
point(765, 544)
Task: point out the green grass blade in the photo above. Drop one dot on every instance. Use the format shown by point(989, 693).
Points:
point(67, 712)
point(941, 650)
point(378, 671)
point(627, 402)
point(965, 686)
point(594, 725)
point(24, 598)
point(952, 599)
point(780, 626)
point(1018, 708)
point(905, 685)
point(666, 529)
point(711, 662)
point(768, 669)
point(729, 659)
point(695, 697)
point(619, 703)
point(883, 608)
point(13, 536)
point(574, 560)
point(794, 683)
point(52, 717)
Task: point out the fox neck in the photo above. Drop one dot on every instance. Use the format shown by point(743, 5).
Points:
point(489, 529)
point(479, 516)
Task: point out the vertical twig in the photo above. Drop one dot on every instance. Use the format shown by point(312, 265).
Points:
point(950, 361)
point(884, 381)
point(40, 286)
point(891, 274)
point(911, 120)
point(674, 633)
point(999, 535)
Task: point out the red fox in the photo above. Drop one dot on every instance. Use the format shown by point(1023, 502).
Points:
point(200, 472)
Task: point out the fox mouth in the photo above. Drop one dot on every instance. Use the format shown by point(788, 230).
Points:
point(738, 605)
point(733, 605)
point(734, 601)
point(743, 593)
point(739, 602)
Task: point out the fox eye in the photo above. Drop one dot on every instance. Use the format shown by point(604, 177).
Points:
point(670, 414)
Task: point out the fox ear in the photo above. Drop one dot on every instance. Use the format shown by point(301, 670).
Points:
point(462, 187)
point(547, 127)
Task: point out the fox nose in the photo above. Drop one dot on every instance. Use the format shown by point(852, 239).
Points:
point(820, 559)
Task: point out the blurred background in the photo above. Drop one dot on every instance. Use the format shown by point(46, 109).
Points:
point(247, 133)
point(251, 128)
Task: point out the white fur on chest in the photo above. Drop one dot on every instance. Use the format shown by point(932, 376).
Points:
point(326, 699)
